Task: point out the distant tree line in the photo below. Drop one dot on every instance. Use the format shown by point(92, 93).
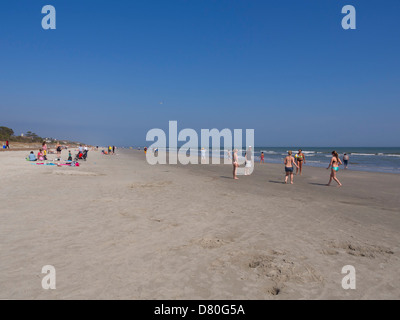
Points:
point(8, 134)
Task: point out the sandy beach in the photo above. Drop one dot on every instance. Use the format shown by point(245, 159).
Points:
point(119, 228)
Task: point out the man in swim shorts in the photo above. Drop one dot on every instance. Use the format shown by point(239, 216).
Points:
point(345, 160)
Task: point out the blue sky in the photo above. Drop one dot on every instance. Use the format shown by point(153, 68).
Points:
point(112, 70)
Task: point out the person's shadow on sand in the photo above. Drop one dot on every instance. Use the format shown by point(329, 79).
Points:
point(280, 182)
point(318, 184)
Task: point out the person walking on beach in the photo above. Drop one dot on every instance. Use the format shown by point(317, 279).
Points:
point(289, 163)
point(235, 163)
point(300, 159)
point(345, 160)
point(262, 157)
point(7, 145)
point(335, 163)
point(113, 149)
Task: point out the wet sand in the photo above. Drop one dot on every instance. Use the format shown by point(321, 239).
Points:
point(118, 228)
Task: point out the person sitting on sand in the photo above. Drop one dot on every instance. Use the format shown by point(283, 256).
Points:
point(32, 156)
point(335, 163)
point(40, 155)
point(289, 162)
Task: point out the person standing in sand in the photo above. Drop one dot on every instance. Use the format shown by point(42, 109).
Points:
point(44, 150)
point(248, 162)
point(262, 157)
point(300, 159)
point(289, 163)
point(7, 145)
point(203, 155)
point(228, 152)
point(345, 160)
point(58, 149)
point(235, 163)
point(335, 163)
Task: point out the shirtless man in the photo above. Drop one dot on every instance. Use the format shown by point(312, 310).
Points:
point(345, 160)
point(289, 162)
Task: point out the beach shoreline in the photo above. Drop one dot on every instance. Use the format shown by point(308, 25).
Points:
point(119, 228)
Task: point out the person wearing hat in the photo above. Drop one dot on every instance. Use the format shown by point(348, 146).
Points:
point(203, 155)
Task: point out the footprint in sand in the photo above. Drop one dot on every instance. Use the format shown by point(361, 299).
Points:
point(356, 249)
point(281, 270)
point(212, 243)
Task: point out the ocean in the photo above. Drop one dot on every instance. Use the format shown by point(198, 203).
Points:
point(373, 159)
point(362, 159)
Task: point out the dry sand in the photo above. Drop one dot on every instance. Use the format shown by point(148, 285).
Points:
point(118, 228)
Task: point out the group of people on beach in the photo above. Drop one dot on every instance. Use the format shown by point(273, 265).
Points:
point(298, 160)
point(290, 162)
point(45, 150)
point(110, 150)
point(6, 145)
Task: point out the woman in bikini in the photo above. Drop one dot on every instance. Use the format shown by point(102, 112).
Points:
point(335, 163)
point(289, 162)
point(235, 163)
point(300, 159)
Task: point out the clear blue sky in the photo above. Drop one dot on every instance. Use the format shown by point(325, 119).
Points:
point(284, 68)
